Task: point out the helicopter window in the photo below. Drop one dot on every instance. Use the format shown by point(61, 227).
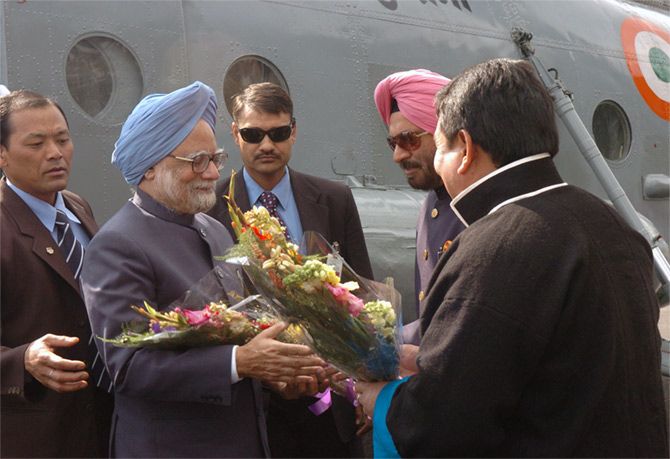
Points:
point(611, 130)
point(248, 70)
point(103, 78)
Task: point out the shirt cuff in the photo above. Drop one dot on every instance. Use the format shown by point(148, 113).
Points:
point(234, 377)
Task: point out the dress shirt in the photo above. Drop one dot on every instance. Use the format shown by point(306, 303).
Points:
point(287, 208)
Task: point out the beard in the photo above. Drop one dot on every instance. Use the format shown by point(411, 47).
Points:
point(423, 177)
point(186, 198)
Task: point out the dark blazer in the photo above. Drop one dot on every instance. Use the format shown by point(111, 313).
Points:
point(168, 403)
point(326, 207)
point(39, 296)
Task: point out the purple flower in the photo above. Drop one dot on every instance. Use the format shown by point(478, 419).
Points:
point(155, 327)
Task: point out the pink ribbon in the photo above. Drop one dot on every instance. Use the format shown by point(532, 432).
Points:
point(322, 404)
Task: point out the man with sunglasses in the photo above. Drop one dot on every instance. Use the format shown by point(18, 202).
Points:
point(265, 131)
point(199, 402)
point(405, 102)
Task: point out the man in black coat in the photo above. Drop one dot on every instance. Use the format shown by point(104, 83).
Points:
point(539, 337)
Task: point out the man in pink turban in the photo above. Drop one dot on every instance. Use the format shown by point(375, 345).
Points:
point(405, 101)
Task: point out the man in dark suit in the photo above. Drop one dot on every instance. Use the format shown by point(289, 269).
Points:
point(198, 402)
point(50, 404)
point(265, 131)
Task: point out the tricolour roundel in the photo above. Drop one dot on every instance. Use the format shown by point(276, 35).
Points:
point(647, 49)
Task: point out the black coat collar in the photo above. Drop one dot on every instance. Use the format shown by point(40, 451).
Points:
point(528, 175)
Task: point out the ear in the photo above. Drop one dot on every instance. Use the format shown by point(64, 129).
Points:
point(469, 152)
point(294, 133)
point(150, 174)
point(235, 132)
point(3, 156)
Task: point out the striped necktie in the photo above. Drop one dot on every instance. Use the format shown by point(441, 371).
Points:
point(73, 251)
point(271, 202)
point(69, 245)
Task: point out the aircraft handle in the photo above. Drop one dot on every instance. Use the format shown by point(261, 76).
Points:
point(566, 111)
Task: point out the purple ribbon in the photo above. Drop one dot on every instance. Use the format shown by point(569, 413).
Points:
point(322, 404)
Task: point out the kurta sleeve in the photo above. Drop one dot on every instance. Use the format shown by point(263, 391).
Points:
point(382, 441)
point(116, 274)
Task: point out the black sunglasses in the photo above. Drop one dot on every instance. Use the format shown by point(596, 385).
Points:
point(278, 134)
point(407, 140)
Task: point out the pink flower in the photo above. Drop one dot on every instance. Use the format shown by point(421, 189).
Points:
point(345, 297)
point(196, 317)
point(355, 305)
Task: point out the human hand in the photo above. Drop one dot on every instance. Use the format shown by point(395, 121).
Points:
point(363, 421)
point(52, 370)
point(367, 395)
point(268, 359)
point(331, 377)
point(408, 355)
point(295, 390)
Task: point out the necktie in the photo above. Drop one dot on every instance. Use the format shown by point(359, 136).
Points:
point(271, 202)
point(74, 257)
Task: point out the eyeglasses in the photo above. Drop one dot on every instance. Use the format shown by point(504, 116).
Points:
point(407, 140)
point(200, 161)
point(278, 134)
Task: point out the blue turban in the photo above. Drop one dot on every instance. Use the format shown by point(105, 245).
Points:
point(158, 125)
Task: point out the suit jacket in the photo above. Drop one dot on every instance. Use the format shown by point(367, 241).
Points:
point(39, 296)
point(328, 208)
point(167, 403)
point(437, 226)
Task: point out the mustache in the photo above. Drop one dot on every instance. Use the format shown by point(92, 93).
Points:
point(409, 164)
point(266, 154)
point(208, 185)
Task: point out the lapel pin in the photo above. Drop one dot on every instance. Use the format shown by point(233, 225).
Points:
point(50, 250)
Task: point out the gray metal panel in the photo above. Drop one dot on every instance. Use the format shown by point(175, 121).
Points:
point(152, 31)
point(332, 54)
point(391, 241)
point(3, 41)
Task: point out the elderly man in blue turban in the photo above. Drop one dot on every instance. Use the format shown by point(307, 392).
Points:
point(201, 402)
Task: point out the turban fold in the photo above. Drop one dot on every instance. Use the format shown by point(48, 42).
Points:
point(414, 91)
point(158, 125)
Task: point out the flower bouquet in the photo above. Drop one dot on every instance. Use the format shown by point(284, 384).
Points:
point(186, 323)
point(349, 321)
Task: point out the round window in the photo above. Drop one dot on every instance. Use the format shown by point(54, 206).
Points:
point(248, 70)
point(611, 130)
point(103, 78)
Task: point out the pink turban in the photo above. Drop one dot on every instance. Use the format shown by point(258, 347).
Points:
point(415, 91)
